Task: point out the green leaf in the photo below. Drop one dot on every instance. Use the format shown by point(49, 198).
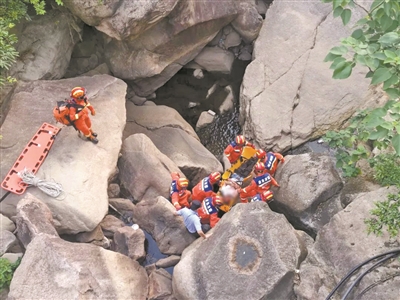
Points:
point(345, 15)
point(391, 81)
point(396, 143)
point(379, 55)
point(337, 61)
point(390, 54)
point(376, 3)
point(338, 10)
point(369, 74)
point(389, 38)
point(380, 75)
point(385, 22)
point(361, 22)
point(372, 48)
point(393, 93)
point(339, 50)
point(343, 70)
point(357, 34)
point(379, 133)
point(331, 57)
point(337, 3)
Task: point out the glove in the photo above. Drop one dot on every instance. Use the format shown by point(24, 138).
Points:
point(282, 160)
point(177, 206)
point(93, 112)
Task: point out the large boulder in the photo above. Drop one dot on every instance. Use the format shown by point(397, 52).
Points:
point(6, 224)
point(110, 224)
point(160, 285)
point(130, 242)
point(288, 95)
point(248, 22)
point(153, 118)
point(55, 269)
point(341, 245)
point(195, 161)
point(45, 45)
point(81, 167)
point(7, 241)
point(144, 170)
point(156, 216)
point(258, 252)
point(33, 218)
point(309, 190)
point(215, 59)
point(150, 59)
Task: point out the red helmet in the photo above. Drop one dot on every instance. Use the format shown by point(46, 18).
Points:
point(78, 92)
point(183, 183)
point(259, 168)
point(240, 140)
point(261, 154)
point(215, 177)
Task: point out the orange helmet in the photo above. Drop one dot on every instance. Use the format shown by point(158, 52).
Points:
point(215, 177)
point(78, 92)
point(183, 183)
point(261, 154)
point(259, 168)
point(240, 140)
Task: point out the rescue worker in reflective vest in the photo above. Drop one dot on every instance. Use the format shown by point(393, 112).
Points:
point(234, 150)
point(79, 114)
point(208, 212)
point(180, 196)
point(265, 196)
point(271, 160)
point(205, 188)
point(262, 182)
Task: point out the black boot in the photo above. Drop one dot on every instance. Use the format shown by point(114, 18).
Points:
point(94, 134)
point(93, 139)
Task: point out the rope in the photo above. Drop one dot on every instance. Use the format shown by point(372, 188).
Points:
point(51, 188)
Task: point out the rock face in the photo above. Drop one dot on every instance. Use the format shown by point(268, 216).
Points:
point(309, 188)
point(33, 218)
point(215, 59)
point(81, 167)
point(161, 51)
point(130, 242)
point(55, 269)
point(288, 95)
point(6, 224)
point(46, 56)
point(160, 285)
point(341, 245)
point(139, 163)
point(195, 161)
point(257, 250)
point(156, 216)
point(153, 118)
point(7, 240)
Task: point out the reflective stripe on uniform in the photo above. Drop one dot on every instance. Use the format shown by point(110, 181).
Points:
point(76, 116)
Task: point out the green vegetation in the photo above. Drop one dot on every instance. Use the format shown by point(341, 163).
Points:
point(11, 11)
point(7, 270)
point(374, 44)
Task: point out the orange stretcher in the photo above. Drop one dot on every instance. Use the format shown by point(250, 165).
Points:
point(31, 158)
point(248, 152)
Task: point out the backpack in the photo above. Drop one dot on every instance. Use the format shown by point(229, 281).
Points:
point(61, 112)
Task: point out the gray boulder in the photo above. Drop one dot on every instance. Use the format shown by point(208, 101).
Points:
point(46, 45)
point(7, 241)
point(82, 168)
point(310, 185)
point(110, 224)
point(141, 161)
point(248, 22)
point(130, 242)
point(258, 252)
point(205, 119)
point(167, 262)
point(341, 245)
point(153, 118)
point(55, 269)
point(6, 224)
point(160, 285)
point(33, 218)
point(215, 59)
point(123, 206)
point(156, 216)
point(95, 237)
point(288, 95)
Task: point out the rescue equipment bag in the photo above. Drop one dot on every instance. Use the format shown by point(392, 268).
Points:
point(61, 112)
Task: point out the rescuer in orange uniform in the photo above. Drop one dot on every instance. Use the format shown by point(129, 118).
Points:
point(262, 182)
point(234, 150)
point(270, 160)
point(204, 188)
point(79, 115)
point(208, 212)
point(180, 196)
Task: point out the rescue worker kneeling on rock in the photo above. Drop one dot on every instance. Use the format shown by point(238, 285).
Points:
point(262, 182)
point(208, 212)
point(270, 160)
point(235, 149)
point(265, 196)
point(205, 188)
point(79, 114)
point(180, 196)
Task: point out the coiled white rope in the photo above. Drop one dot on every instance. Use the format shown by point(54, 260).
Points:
point(51, 188)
